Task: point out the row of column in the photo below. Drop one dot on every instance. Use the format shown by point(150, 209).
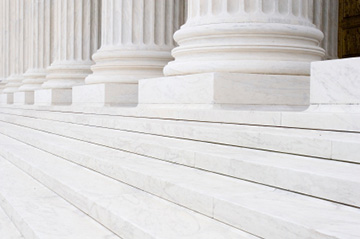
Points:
point(49, 47)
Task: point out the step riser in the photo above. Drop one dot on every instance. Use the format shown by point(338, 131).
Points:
point(29, 203)
point(7, 227)
point(100, 210)
point(314, 118)
point(241, 217)
point(328, 188)
point(302, 142)
point(238, 214)
point(26, 231)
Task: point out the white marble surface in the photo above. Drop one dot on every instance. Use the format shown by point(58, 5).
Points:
point(76, 38)
point(247, 37)
point(105, 94)
point(7, 228)
point(52, 97)
point(231, 199)
point(7, 98)
point(128, 211)
point(335, 82)
point(230, 89)
point(39, 45)
point(24, 98)
point(136, 40)
point(317, 143)
point(39, 212)
point(324, 117)
point(336, 181)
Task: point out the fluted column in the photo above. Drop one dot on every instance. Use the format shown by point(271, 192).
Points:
point(137, 37)
point(247, 36)
point(77, 38)
point(40, 45)
point(4, 50)
point(326, 14)
point(16, 45)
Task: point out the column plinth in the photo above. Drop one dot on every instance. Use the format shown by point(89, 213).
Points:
point(76, 39)
point(136, 43)
point(261, 47)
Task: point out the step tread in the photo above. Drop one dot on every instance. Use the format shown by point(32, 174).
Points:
point(129, 212)
point(241, 199)
point(7, 228)
point(259, 166)
point(325, 144)
point(39, 212)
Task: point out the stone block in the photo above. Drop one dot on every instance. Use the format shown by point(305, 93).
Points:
point(53, 97)
point(335, 82)
point(105, 94)
point(24, 98)
point(7, 98)
point(231, 89)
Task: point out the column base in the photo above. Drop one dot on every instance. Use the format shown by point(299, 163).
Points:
point(225, 90)
point(24, 98)
point(7, 98)
point(53, 97)
point(105, 94)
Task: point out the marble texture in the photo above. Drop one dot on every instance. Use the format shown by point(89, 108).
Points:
point(326, 14)
point(225, 89)
point(76, 39)
point(7, 228)
point(7, 98)
point(39, 212)
point(135, 165)
point(39, 47)
point(127, 211)
point(335, 82)
point(105, 94)
point(258, 37)
point(52, 97)
point(24, 97)
point(316, 143)
point(17, 41)
point(136, 41)
point(239, 203)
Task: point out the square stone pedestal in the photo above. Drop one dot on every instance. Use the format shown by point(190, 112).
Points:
point(53, 97)
point(7, 98)
point(225, 89)
point(24, 98)
point(335, 82)
point(105, 94)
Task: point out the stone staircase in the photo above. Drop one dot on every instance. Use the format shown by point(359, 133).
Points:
point(70, 172)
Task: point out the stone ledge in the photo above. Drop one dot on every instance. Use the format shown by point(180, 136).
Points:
point(231, 89)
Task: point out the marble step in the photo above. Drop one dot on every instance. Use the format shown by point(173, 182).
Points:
point(342, 146)
point(38, 212)
point(125, 210)
point(241, 204)
point(7, 227)
point(324, 117)
point(332, 180)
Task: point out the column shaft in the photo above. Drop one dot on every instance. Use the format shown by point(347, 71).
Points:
point(40, 45)
point(137, 37)
point(76, 39)
point(326, 17)
point(17, 45)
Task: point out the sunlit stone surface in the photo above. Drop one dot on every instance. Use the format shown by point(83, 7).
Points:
point(174, 119)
